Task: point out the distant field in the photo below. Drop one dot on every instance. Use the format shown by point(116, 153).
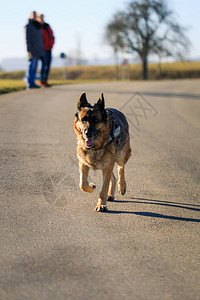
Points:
point(176, 70)
point(12, 81)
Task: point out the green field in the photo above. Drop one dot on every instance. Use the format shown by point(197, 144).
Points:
point(12, 81)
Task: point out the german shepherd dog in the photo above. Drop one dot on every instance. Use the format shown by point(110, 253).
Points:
point(103, 140)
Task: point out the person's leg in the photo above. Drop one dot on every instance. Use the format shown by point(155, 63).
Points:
point(48, 62)
point(43, 69)
point(32, 71)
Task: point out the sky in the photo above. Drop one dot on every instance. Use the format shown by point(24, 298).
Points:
point(80, 25)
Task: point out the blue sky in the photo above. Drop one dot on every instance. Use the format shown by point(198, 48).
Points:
point(77, 22)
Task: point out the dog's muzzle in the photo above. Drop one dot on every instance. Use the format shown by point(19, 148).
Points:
point(89, 143)
point(88, 137)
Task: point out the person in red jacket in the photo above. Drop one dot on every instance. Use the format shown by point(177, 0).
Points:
point(48, 39)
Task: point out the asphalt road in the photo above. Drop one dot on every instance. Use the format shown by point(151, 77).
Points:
point(54, 245)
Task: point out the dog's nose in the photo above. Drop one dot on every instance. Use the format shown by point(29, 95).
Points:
point(88, 132)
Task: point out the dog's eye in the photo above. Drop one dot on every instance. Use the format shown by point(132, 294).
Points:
point(95, 120)
point(84, 119)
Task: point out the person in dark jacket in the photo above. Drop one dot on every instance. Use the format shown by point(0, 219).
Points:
point(35, 47)
point(48, 39)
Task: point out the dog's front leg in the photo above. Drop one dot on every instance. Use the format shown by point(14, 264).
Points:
point(101, 205)
point(84, 170)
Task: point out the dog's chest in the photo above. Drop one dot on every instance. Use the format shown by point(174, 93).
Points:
point(96, 159)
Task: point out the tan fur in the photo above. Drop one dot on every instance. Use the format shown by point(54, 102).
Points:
point(103, 157)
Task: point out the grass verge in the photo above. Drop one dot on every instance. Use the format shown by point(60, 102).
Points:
point(11, 85)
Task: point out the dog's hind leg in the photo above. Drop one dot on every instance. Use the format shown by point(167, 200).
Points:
point(84, 186)
point(122, 159)
point(111, 191)
point(121, 180)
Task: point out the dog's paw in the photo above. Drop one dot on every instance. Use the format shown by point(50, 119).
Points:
point(92, 187)
point(111, 198)
point(101, 208)
point(122, 188)
point(123, 192)
point(88, 188)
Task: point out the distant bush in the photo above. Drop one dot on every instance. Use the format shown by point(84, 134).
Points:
point(12, 75)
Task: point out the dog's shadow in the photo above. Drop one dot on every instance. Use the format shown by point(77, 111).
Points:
point(192, 207)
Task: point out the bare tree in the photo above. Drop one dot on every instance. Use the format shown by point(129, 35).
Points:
point(149, 27)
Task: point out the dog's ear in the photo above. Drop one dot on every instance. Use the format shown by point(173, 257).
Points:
point(101, 102)
point(82, 101)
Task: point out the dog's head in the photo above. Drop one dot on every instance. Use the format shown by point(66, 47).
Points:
point(90, 121)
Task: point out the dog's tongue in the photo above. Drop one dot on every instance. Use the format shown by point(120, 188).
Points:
point(89, 143)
